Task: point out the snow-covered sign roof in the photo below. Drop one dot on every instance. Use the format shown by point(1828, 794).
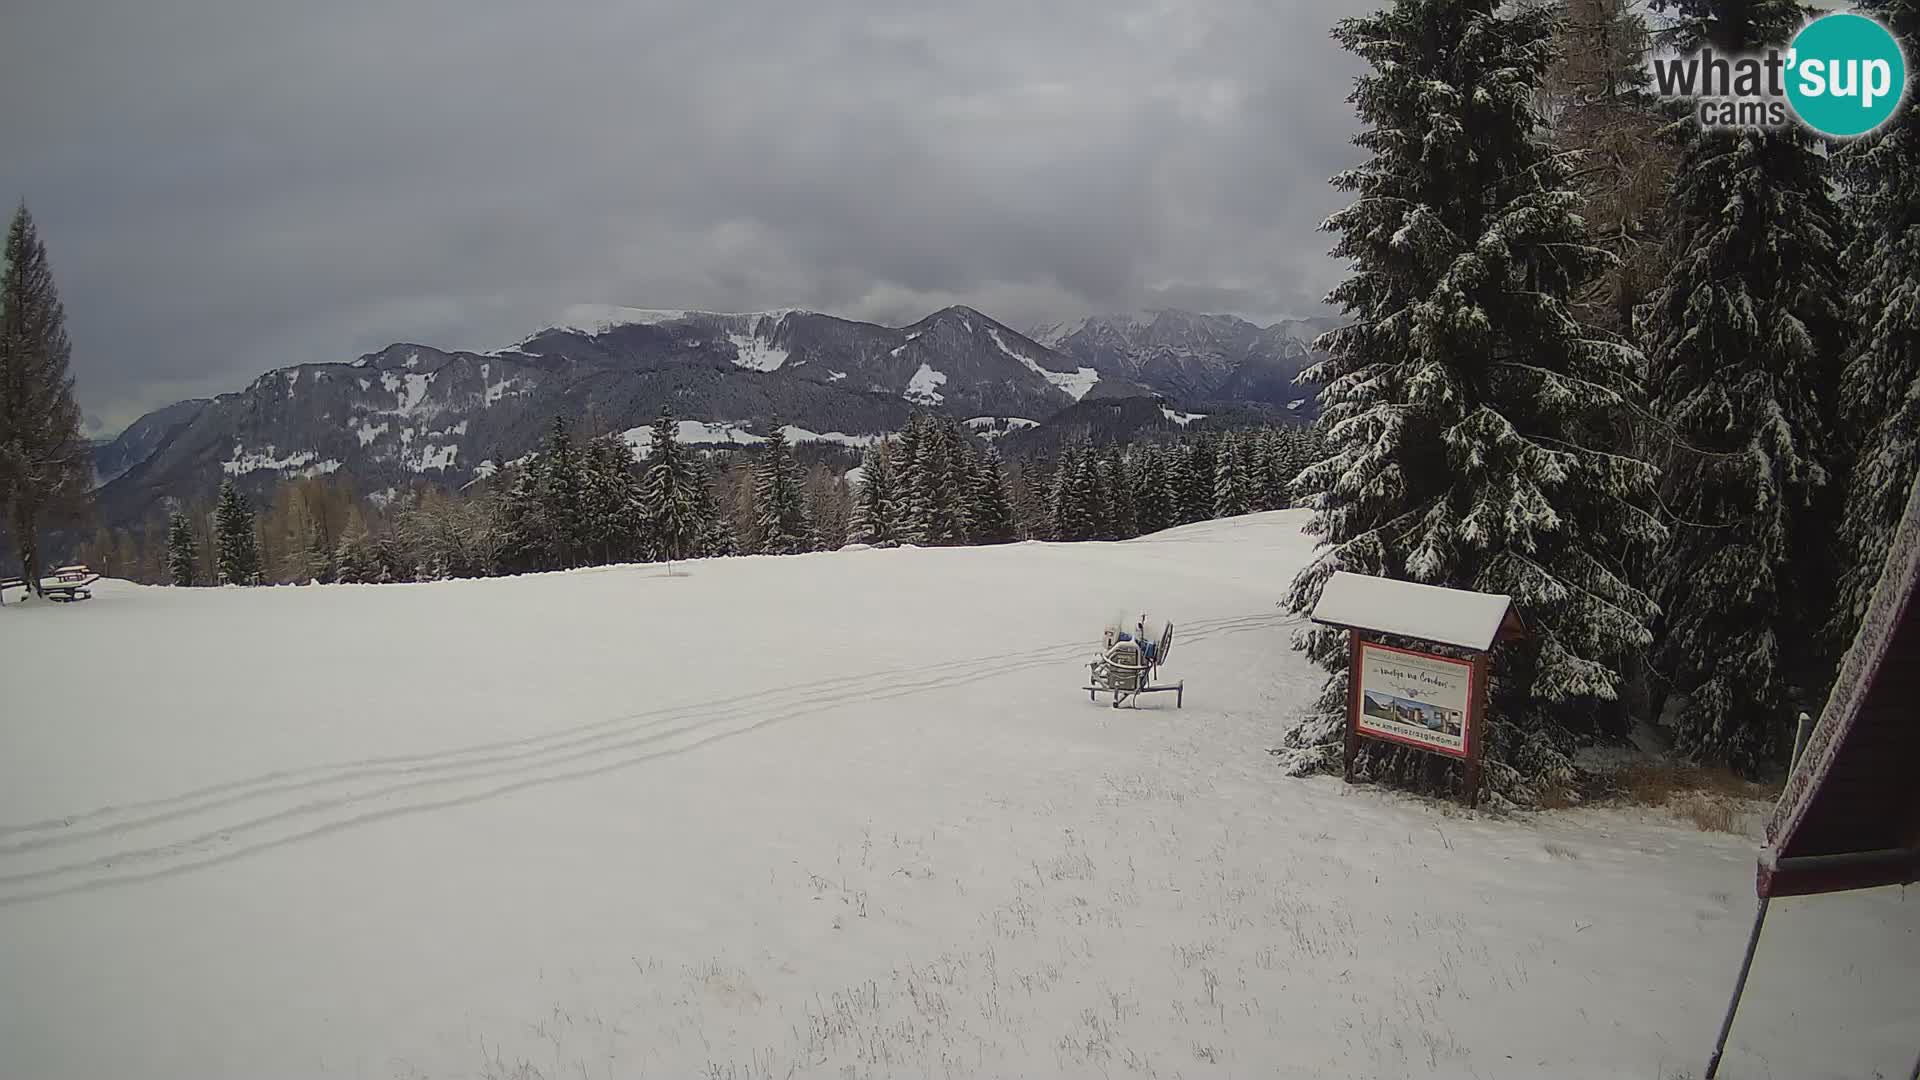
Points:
point(1469, 620)
point(1848, 818)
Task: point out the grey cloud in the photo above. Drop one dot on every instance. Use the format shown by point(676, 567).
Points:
point(232, 185)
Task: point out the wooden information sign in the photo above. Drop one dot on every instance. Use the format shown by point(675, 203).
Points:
point(1425, 700)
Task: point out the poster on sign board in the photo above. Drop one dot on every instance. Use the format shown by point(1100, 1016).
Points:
point(1415, 698)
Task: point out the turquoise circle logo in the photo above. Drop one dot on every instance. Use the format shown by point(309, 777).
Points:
point(1846, 74)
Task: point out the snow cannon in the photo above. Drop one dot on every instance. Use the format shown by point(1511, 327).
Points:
point(1128, 661)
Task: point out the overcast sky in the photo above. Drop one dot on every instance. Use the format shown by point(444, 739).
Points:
point(228, 186)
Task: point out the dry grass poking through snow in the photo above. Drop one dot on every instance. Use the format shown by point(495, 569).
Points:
point(1714, 800)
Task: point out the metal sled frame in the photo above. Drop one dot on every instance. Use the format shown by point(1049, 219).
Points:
point(1124, 673)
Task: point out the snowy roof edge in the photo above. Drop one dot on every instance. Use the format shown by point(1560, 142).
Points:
point(1898, 588)
point(1458, 617)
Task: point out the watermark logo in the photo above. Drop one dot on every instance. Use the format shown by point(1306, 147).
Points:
point(1842, 75)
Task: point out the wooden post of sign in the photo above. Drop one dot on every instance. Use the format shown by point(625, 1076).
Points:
point(1353, 701)
point(1478, 732)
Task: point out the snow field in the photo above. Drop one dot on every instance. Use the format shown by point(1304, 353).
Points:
point(840, 814)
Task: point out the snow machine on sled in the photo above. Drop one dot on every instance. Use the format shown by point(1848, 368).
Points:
point(1128, 663)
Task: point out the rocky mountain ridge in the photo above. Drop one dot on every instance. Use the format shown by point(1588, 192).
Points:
point(411, 413)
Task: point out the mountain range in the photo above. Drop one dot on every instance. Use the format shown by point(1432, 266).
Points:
point(412, 413)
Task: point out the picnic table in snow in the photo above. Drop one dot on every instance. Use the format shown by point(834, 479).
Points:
point(66, 584)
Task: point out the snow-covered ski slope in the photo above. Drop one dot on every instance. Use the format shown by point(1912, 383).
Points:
point(829, 815)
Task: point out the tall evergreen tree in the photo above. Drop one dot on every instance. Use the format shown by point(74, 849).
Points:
point(910, 481)
point(180, 556)
point(963, 466)
point(1288, 459)
point(671, 501)
point(45, 466)
point(877, 509)
point(1073, 496)
point(716, 536)
point(1124, 523)
point(782, 526)
point(1030, 481)
point(993, 516)
point(1744, 334)
point(563, 477)
point(1460, 402)
point(526, 542)
point(1261, 469)
point(1880, 385)
point(562, 510)
point(617, 529)
point(237, 550)
point(1198, 498)
point(1098, 493)
point(1232, 492)
point(934, 514)
point(1180, 484)
point(1155, 507)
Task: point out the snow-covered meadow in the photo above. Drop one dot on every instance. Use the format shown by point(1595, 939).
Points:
point(828, 815)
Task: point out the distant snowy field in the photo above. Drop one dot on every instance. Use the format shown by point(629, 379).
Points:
point(829, 815)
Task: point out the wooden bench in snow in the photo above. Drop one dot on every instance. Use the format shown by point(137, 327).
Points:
point(67, 584)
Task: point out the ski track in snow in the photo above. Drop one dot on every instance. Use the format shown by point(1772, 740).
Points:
point(588, 750)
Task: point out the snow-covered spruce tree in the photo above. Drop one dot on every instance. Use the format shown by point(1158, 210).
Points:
point(1073, 495)
point(526, 540)
point(1460, 402)
point(180, 554)
point(933, 512)
point(1880, 386)
point(1743, 337)
point(45, 466)
point(1153, 502)
point(1100, 506)
point(876, 512)
point(992, 517)
point(1179, 467)
point(237, 551)
point(1287, 462)
point(781, 527)
point(1032, 484)
point(670, 497)
point(1261, 470)
point(908, 482)
point(1231, 488)
point(962, 464)
point(617, 527)
point(716, 532)
point(563, 474)
point(1161, 487)
point(1123, 522)
point(1202, 461)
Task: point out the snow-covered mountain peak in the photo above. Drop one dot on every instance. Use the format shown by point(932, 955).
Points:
point(596, 319)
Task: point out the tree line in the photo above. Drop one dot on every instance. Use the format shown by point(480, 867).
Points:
point(1658, 382)
point(585, 502)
